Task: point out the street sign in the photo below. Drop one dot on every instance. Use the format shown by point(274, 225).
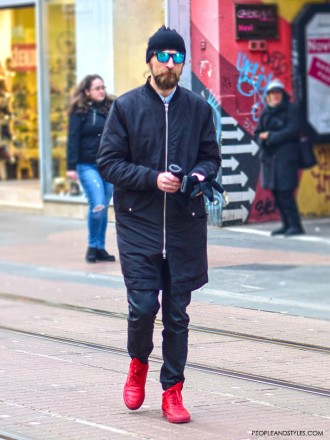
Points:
point(256, 21)
point(234, 145)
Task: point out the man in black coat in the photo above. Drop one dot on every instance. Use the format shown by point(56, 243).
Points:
point(161, 232)
point(278, 134)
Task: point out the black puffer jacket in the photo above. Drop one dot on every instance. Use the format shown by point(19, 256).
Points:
point(85, 131)
point(279, 154)
point(132, 154)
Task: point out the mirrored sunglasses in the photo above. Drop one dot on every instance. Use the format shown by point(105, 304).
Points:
point(163, 57)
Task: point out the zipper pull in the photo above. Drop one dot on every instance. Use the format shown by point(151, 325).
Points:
point(164, 254)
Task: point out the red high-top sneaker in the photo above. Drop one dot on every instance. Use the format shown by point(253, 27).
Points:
point(135, 383)
point(172, 406)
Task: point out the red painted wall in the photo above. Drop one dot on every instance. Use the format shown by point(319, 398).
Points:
point(234, 79)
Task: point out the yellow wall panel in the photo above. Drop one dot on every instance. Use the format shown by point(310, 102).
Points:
point(134, 23)
point(314, 190)
point(288, 9)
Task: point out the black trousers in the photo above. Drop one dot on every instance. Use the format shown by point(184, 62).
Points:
point(143, 306)
point(286, 204)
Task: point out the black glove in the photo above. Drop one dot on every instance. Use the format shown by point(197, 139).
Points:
point(187, 182)
point(206, 187)
point(191, 186)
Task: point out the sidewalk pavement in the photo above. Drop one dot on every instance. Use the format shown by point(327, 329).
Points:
point(248, 268)
point(54, 391)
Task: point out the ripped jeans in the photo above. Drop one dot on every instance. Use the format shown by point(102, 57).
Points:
point(98, 193)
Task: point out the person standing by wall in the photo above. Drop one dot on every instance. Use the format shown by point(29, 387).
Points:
point(161, 235)
point(278, 134)
point(88, 110)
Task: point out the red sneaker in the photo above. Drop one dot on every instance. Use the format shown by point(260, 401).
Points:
point(135, 383)
point(172, 406)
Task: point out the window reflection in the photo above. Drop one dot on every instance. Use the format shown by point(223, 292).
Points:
point(61, 46)
point(91, 37)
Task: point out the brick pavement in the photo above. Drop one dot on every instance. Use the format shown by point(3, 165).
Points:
point(54, 391)
point(246, 270)
point(207, 349)
point(100, 294)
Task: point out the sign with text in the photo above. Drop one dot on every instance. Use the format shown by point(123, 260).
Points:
point(318, 72)
point(311, 69)
point(256, 21)
point(24, 57)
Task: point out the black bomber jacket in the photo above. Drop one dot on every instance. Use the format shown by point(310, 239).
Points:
point(85, 131)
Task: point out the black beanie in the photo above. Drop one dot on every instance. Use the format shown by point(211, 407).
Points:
point(165, 38)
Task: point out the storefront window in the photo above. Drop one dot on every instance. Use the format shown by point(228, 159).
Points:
point(85, 37)
point(19, 153)
point(61, 64)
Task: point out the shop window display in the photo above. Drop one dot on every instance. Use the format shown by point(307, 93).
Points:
point(5, 135)
point(88, 37)
point(78, 37)
point(18, 95)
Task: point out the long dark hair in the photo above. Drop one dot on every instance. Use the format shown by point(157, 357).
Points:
point(80, 102)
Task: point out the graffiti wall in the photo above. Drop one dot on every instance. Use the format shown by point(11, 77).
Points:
point(233, 74)
point(314, 190)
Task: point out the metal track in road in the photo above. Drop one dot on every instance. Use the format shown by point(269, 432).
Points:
point(4, 435)
point(191, 365)
point(195, 328)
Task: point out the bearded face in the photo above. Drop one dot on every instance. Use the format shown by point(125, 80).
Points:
point(166, 80)
point(165, 75)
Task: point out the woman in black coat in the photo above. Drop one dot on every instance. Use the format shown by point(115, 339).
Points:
point(277, 134)
point(88, 112)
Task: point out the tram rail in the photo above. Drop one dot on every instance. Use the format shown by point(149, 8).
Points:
point(193, 328)
point(190, 365)
point(5, 435)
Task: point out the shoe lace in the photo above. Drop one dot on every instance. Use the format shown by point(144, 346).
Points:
point(135, 375)
point(175, 398)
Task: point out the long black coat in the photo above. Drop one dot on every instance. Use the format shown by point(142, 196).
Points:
point(131, 156)
point(279, 154)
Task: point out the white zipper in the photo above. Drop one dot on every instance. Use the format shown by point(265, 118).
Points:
point(166, 155)
point(94, 116)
